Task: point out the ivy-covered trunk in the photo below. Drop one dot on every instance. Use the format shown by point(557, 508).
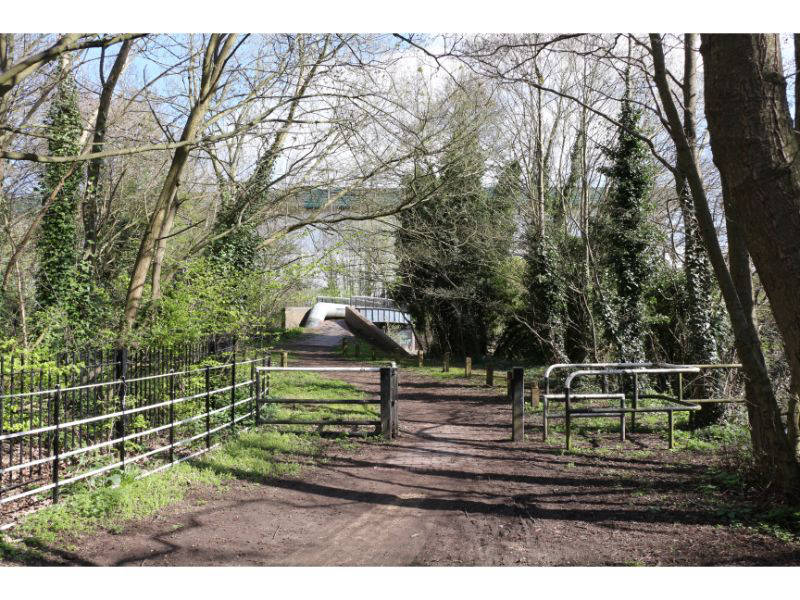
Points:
point(57, 244)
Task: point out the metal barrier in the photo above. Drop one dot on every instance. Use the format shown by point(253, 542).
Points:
point(61, 439)
point(570, 413)
point(549, 396)
point(388, 423)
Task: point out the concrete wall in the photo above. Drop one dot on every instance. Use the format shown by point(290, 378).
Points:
point(368, 331)
point(293, 316)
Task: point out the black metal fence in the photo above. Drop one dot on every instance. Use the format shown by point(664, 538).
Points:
point(64, 424)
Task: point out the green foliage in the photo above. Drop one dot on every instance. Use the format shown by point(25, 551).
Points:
point(625, 233)
point(454, 248)
point(71, 307)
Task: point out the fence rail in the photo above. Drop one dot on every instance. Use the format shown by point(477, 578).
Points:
point(57, 435)
point(628, 391)
point(388, 423)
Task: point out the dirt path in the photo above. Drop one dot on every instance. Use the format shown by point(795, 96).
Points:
point(451, 491)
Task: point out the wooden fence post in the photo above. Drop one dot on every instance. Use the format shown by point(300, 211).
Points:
point(468, 366)
point(490, 374)
point(386, 402)
point(395, 420)
point(420, 358)
point(518, 404)
point(446, 363)
point(285, 359)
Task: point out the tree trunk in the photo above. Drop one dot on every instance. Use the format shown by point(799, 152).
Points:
point(756, 152)
point(702, 347)
point(214, 60)
point(770, 446)
point(93, 191)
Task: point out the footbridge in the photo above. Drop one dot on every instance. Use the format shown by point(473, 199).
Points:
point(369, 317)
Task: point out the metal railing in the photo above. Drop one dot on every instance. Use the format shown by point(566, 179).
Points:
point(388, 423)
point(69, 433)
point(679, 403)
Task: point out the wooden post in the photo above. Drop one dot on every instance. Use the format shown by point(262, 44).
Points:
point(535, 395)
point(671, 430)
point(568, 417)
point(518, 404)
point(446, 363)
point(468, 366)
point(285, 358)
point(544, 417)
point(420, 358)
point(490, 374)
point(395, 419)
point(386, 402)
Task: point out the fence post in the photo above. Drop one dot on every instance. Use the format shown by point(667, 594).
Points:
point(420, 358)
point(258, 397)
point(285, 357)
point(671, 430)
point(395, 419)
point(518, 404)
point(490, 373)
point(208, 407)
point(253, 388)
point(172, 416)
point(446, 363)
point(468, 366)
point(535, 395)
point(386, 402)
point(233, 391)
point(56, 441)
point(635, 400)
point(121, 367)
point(568, 417)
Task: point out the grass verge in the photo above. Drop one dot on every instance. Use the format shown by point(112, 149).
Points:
point(111, 503)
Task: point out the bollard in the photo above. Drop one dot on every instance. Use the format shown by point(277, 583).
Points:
point(468, 367)
point(490, 375)
point(420, 358)
point(518, 404)
point(284, 359)
point(387, 421)
point(446, 363)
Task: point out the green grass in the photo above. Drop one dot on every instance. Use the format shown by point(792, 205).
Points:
point(110, 503)
point(313, 386)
